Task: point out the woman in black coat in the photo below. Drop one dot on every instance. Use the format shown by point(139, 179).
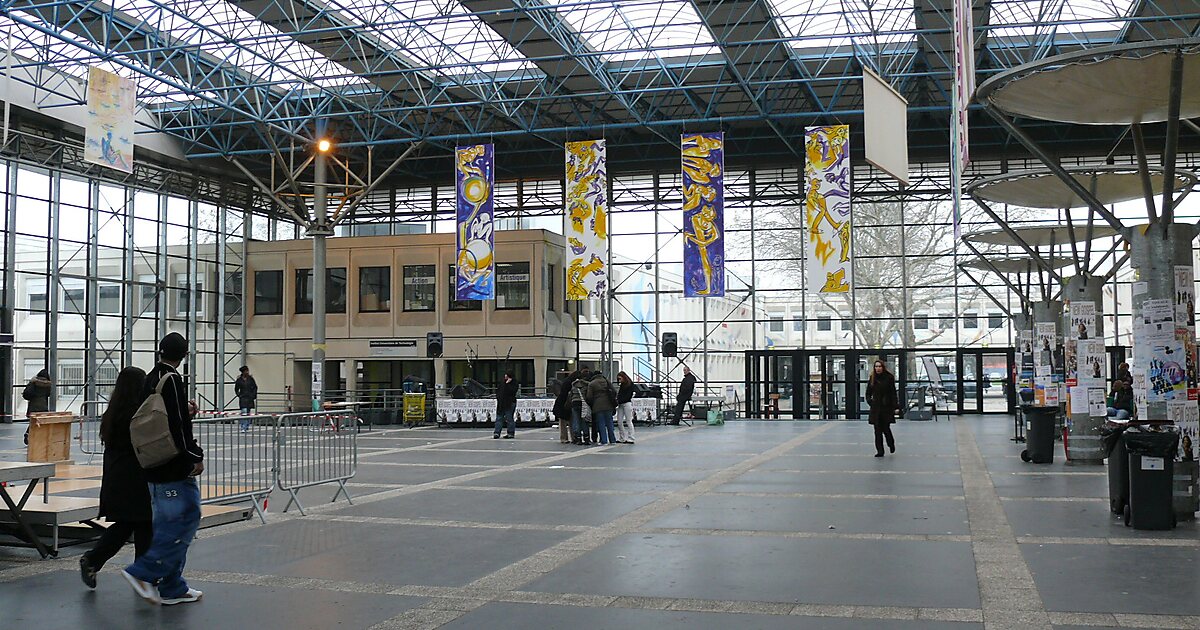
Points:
point(562, 407)
point(885, 404)
point(124, 495)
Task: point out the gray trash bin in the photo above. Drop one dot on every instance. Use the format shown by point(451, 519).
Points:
point(1151, 479)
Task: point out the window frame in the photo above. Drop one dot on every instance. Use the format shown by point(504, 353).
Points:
point(385, 298)
point(258, 296)
point(405, 284)
point(528, 282)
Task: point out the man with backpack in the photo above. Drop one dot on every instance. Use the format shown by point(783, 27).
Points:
point(171, 460)
point(603, 400)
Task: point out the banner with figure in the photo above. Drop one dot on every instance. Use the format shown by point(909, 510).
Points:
point(703, 215)
point(475, 267)
point(108, 137)
point(586, 220)
point(827, 208)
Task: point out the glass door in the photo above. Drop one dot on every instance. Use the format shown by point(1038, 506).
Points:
point(983, 380)
point(966, 382)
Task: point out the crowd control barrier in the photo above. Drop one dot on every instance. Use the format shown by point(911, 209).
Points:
point(88, 434)
point(239, 459)
point(313, 449)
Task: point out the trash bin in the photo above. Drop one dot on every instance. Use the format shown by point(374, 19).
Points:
point(1039, 434)
point(1151, 479)
point(1112, 438)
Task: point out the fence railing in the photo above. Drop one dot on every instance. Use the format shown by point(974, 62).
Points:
point(247, 457)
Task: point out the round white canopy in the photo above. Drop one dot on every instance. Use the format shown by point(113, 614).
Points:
point(1043, 189)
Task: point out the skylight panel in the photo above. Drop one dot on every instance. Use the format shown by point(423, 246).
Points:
point(827, 24)
point(228, 33)
point(440, 35)
point(639, 29)
point(1026, 18)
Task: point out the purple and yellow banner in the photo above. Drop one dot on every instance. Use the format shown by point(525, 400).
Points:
point(704, 215)
point(586, 220)
point(475, 271)
point(827, 208)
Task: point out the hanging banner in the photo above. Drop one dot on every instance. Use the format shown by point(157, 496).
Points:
point(586, 220)
point(476, 262)
point(1083, 319)
point(962, 93)
point(108, 135)
point(703, 215)
point(827, 208)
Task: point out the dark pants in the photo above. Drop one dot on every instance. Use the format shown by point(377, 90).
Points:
point(504, 418)
point(577, 427)
point(884, 430)
point(115, 537)
point(679, 407)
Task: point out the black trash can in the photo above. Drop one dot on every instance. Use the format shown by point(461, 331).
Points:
point(1113, 439)
point(1039, 434)
point(1151, 479)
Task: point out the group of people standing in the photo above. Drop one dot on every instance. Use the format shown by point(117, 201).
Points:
point(591, 410)
point(159, 506)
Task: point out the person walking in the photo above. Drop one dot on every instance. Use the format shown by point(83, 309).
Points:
point(246, 389)
point(686, 387)
point(624, 408)
point(562, 408)
point(174, 493)
point(37, 395)
point(124, 495)
point(506, 406)
point(603, 401)
point(885, 404)
point(579, 408)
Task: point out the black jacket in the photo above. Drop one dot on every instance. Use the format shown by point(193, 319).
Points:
point(506, 396)
point(247, 391)
point(624, 394)
point(881, 395)
point(686, 387)
point(1123, 399)
point(180, 419)
point(124, 496)
point(562, 402)
point(37, 392)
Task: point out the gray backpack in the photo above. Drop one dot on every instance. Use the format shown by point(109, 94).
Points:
point(150, 430)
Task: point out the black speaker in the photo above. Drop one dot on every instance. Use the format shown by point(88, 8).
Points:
point(670, 344)
point(433, 345)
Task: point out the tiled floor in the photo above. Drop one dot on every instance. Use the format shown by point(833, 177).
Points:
point(749, 525)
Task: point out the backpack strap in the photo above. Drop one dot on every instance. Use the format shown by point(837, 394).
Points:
point(158, 388)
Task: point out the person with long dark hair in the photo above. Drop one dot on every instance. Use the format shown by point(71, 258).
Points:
point(885, 404)
point(124, 495)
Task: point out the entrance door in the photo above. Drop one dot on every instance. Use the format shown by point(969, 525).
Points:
point(983, 380)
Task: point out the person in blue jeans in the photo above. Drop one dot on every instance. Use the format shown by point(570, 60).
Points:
point(506, 406)
point(157, 575)
point(603, 401)
point(1120, 401)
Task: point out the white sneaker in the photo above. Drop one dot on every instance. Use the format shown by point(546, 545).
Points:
point(145, 590)
point(192, 595)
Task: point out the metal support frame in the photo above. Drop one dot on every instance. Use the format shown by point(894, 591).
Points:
point(1033, 253)
point(8, 353)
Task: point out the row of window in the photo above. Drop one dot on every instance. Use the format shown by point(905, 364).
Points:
point(109, 295)
point(920, 322)
point(419, 292)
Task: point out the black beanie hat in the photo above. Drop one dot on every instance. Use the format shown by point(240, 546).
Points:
point(173, 347)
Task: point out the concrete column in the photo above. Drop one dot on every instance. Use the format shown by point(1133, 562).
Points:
point(1154, 254)
point(1083, 430)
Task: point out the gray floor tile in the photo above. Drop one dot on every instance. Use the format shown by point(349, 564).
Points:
point(1116, 578)
point(544, 508)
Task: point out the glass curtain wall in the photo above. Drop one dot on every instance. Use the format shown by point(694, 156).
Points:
point(96, 272)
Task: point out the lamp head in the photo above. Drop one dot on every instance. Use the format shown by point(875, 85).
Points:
point(324, 145)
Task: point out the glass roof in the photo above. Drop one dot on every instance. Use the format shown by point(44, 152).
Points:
point(821, 24)
point(1024, 18)
point(631, 30)
point(440, 35)
point(261, 50)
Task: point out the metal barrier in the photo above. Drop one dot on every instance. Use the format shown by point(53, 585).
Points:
point(239, 459)
point(314, 449)
point(89, 428)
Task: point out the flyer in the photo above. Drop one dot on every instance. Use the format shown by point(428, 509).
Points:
point(1140, 402)
point(1185, 415)
point(1083, 320)
point(1091, 359)
point(1139, 288)
point(1072, 362)
point(1158, 320)
point(1051, 396)
point(1166, 373)
point(1077, 400)
point(1185, 296)
point(1045, 342)
point(1097, 406)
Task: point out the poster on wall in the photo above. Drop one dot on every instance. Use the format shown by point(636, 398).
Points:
point(1083, 320)
point(703, 214)
point(1046, 343)
point(108, 134)
point(586, 219)
point(1166, 375)
point(474, 175)
point(1193, 362)
point(1158, 320)
point(1097, 405)
point(1185, 297)
point(1071, 358)
point(1140, 398)
point(827, 208)
point(1090, 357)
point(1025, 357)
point(1186, 417)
